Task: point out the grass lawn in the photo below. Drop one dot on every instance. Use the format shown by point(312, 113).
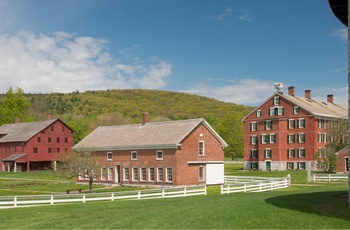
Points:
point(302, 206)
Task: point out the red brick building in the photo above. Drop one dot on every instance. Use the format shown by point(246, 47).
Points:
point(343, 161)
point(285, 131)
point(33, 145)
point(174, 153)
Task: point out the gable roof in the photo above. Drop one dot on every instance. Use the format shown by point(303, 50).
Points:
point(149, 136)
point(312, 106)
point(21, 132)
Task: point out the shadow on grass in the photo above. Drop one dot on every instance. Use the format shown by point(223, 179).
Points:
point(333, 204)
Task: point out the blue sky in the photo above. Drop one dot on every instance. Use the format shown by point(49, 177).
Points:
point(231, 50)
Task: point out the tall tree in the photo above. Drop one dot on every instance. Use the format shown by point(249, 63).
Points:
point(15, 104)
point(231, 130)
point(78, 164)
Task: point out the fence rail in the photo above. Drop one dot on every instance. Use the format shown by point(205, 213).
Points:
point(18, 201)
point(329, 178)
point(235, 184)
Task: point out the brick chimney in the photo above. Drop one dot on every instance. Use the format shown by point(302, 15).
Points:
point(291, 90)
point(49, 116)
point(308, 94)
point(330, 98)
point(144, 118)
point(17, 120)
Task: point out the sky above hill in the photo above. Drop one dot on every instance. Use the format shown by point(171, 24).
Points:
point(231, 50)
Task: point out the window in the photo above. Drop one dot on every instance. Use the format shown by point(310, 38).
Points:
point(109, 156)
point(290, 165)
point(301, 123)
point(263, 139)
point(169, 174)
point(159, 174)
point(301, 153)
point(273, 138)
point(276, 101)
point(63, 128)
point(291, 138)
point(58, 150)
point(133, 155)
point(142, 174)
point(301, 165)
point(49, 139)
point(39, 139)
point(258, 113)
point(272, 112)
point(126, 173)
point(135, 175)
point(103, 173)
point(325, 137)
point(291, 153)
point(66, 150)
point(268, 125)
point(57, 139)
point(110, 173)
point(268, 153)
point(66, 140)
point(253, 126)
point(291, 124)
point(296, 110)
point(49, 150)
point(301, 138)
point(319, 137)
point(280, 111)
point(201, 173)
point(159, 154)
point(35, 150)
point(52, 128)
point(254, 153)
point(253, 140)
point(151, 173)
point(201, 148)
point(254, 165)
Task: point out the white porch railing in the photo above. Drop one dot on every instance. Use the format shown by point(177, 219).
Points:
point(18, 201)
point(329, 178)
point(235, 184)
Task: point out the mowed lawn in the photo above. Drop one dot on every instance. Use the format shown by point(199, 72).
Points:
point(298, 207)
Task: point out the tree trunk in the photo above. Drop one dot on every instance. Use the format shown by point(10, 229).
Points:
point(90, 184)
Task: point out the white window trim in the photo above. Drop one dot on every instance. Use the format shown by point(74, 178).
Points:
point(133, 176)
point(141, 173)
point(252, 151)
point(296, 110)
point(291, 124)
point(158, 169)
point(263, 138)
point(166, 172)
point(103, 175)
point(276, 100)
point(268, 127)
point(300, 139)
point(109, 176)
point(109, 158)
point(289, 153)
point(271, 139)
point(157, 155)
point(299, 153)
point(203, 149)
point(288, 165)
point(253, 126)
point(265, 153)
point(132, 158)
point(301, 163)
point(258, 113)
point(149, 173)
point(301, 121)
point(253, 140)
point(201, 169)
point(124, 174)
point(291, 138)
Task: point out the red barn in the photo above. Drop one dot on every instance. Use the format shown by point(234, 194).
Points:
point(33, 145)
point(174, 153)
point(285, 131)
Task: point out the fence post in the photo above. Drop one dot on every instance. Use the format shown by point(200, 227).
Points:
point(52, 199)
point(260, 185)
point(313, 178)
point(245, 187)
point(163, 193)
point(272, 184)
point(185, 191)
point(221, 189)
point(289, 180)
point(205, 189)
point(84, 198)
point(15, 201)
point(139, 195)
point(112, 198)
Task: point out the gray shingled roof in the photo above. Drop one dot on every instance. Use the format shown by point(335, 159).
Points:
point(314, 107)
point(148, 136)
point(14, 157)
point(18, 132)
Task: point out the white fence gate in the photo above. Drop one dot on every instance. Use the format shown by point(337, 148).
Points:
point(32, 200)
point(235, 184)
point(329, 178)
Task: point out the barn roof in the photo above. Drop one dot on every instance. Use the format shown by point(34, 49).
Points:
point(148, 136)
point(19, 132)
point(312, 106)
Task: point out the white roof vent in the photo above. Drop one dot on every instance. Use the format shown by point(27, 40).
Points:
point(278, 87)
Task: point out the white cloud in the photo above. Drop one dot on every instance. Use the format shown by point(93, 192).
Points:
point(243, 91)
point(341, 33)
point(246, 15)
point(63, 62)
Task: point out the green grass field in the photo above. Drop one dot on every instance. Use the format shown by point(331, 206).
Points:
point(301, 206)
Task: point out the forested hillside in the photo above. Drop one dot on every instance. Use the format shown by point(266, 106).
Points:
point(84, 111)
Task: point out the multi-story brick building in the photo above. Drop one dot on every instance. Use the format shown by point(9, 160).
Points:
point(285, 131)
point(173, 153)
point(26, 146)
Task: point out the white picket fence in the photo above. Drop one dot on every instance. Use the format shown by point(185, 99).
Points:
point(233, 184)
point(32, 200)
point(329, 178)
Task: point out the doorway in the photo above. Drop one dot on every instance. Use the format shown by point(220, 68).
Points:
point(117, 174)
point(268, 165)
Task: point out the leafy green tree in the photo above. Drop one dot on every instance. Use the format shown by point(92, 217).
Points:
point(15, 104)
point(77, 164)
point(231, 130)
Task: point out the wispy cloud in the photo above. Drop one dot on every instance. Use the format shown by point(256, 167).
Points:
point(341, 33)
point(247, 15)
point(226, 13)
point(64, 62)
point(239, 91)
